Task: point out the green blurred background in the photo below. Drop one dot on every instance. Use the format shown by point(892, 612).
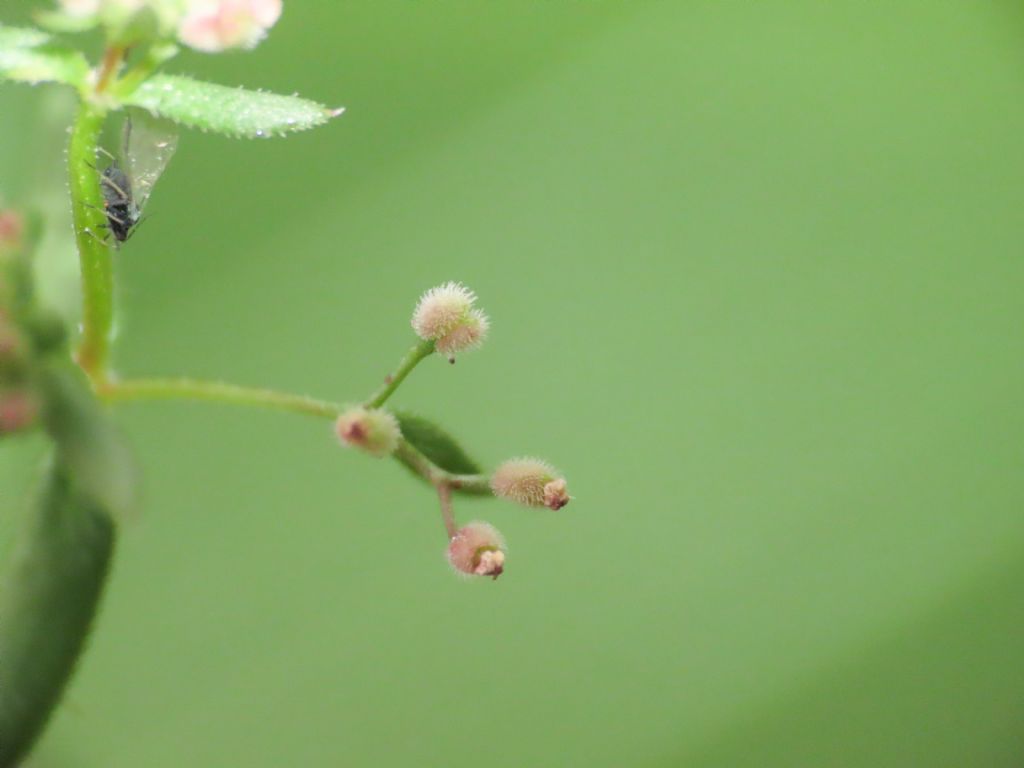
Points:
point(756, 283)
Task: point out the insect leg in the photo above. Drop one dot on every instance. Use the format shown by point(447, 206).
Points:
point(116, 219)
point(106, 180)
point(104, 240)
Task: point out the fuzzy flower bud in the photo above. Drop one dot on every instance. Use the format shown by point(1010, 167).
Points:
point(469, 334)
point(531, 482)
point(373, 431)
point(19, 410)
point(477, 549)
point(13, 347)
point(213, 26)
point(446, 316)
point(12, 229)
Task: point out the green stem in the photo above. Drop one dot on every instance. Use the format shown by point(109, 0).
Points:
point(408, 455)
point(153, 57)
point(113, 57)
point(231, 394)
point(391, 383)
point(444, 494)
point(215, 391)
point(94, 255)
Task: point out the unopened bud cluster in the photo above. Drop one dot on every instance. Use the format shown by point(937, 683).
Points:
point(446, 316)
point(206, 25)
point(26, 334)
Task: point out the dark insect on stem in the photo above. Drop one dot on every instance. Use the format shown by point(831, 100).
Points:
point(118, 204)
point(147, 145)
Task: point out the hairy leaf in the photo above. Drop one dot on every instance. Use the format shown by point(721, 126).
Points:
point(231, 111)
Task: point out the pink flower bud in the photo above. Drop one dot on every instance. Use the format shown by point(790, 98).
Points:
point(531, 482)
point(12, 229)
point(19, 410)
point(477, 549)
point(556, 494)
point(217, 25)
point(446, 315)
point(13, 347)
point(373, 431)
point(469, 334)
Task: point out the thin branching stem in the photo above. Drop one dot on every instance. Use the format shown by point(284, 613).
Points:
point(391, 383)
point(215, 391)
point(444, 494)
point(231, 394)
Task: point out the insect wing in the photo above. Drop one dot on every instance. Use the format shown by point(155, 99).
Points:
point(148, 145)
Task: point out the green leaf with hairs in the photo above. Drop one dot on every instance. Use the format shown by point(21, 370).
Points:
point(234, 112)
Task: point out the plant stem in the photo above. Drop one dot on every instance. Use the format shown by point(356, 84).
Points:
point(94, 255)
point(232, 394)
point(112, 58)
point(411, 359)
point(154, 56)
point(408, 455)
point(215, 391)
point(444, 493)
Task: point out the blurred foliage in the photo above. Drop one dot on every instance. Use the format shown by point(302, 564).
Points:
point(755, 280)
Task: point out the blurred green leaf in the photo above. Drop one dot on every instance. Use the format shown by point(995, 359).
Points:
point(47, 600)
point(233, 112)
point(64, 22)
point(436, 444)
point(26, 55)
point(21, 37)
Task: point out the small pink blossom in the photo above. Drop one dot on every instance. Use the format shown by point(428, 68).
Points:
point(12, 228)
point(477, 549)
point(19, 410)
point(531, 482)
point(468, 334)
point(556, 494)
point(12, 345)
point(218, 25)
